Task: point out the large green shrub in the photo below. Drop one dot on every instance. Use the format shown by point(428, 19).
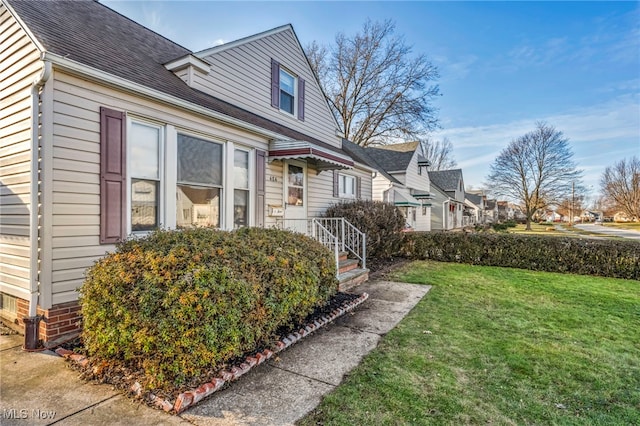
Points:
point(609, 258)
point(178, 304)
point(381, 222)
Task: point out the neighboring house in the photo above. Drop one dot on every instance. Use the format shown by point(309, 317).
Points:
point(621, 216)
point(591, 216)
point(449, 199)
point(473, 209)
point(552, 216)
point(503, 211)
point(402, 180)
point(491, 210)
point(113, 130)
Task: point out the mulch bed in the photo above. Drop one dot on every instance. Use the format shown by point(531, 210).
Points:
point(181, 398)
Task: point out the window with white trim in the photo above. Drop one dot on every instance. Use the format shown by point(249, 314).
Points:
point(240, 188)
point(287, 91)
point(346, 186)
point(199, 182)
point(145, 171)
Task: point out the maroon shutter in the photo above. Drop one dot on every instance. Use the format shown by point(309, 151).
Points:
point(112, 176)
point(336, 184)
point(300, 99)
point(275, 84)
point(260, 187)
point(358, 187)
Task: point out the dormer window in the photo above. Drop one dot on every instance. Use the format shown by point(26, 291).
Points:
point(287, 91)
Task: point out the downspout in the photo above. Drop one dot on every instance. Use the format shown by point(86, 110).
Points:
point(32, 322)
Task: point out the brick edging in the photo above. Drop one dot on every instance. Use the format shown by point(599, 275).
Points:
point(193, 396)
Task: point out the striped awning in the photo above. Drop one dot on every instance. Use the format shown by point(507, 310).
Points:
point(421, 195)
point(404, 200)
point(323, 158)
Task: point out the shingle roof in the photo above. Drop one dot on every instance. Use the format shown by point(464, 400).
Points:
point(447, 180)
point(90, 33)
point(474, 198)
point(401, 147)
point(361, 155)
point(391, 161)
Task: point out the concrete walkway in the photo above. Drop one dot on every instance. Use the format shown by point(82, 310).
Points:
point(616, 232)
point(39, 389)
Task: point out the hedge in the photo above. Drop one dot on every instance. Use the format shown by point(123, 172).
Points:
point(382, 222)
point(179, 304)
point(608, 258)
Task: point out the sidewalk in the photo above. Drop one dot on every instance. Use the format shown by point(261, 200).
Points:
point(39, 389)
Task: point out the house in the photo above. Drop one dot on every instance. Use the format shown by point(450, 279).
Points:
point(473, 213)
point(449, 196)
point(491, 210)
point(402, 180)
point(109, 129)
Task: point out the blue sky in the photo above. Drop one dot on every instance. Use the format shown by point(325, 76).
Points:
point(503, 65)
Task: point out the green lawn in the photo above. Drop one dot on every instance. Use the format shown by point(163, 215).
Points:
point(492, 345)
point(565, 231)
point(536, 229)
point(634, 226)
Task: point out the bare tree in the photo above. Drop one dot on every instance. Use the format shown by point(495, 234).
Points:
point(439, 153)
point(376, 89)
point(621, 184)
point(535, 170)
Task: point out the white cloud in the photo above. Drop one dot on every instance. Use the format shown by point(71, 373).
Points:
point(599, 135)
point(456, 68)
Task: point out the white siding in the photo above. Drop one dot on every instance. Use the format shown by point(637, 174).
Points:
point(274, 191)
point(241, 75)
point(437, 211)
point(379, 185)
point(320, 192)
point(75, 186)
point(19, 66)
point(414, 180)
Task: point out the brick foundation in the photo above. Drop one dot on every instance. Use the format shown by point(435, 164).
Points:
point(59, 320)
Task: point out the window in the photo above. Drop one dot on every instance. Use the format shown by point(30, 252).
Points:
point(199, 182)
point(295, 185)
point(287, 91)
point(145, 148)
point(346, 186)
point(241, 188)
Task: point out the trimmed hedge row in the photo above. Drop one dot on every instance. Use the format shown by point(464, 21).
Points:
point(608, 258)
point(180, 304)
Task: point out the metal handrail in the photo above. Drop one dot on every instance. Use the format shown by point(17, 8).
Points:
point(351, 238)
point(326, 238)
point(347, 237)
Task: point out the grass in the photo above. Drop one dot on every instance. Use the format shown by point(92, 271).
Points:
point(536, 229)
point(634, 226)
point(565, 231)
point(491, 345)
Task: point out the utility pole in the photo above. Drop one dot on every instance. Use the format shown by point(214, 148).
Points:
point(573, 201)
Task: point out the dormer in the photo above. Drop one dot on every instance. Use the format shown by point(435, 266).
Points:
point(187, 67)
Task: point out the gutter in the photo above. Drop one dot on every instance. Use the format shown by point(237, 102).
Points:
point(32, 322)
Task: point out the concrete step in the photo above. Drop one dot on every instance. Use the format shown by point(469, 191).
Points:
point(347, 265)
point(343, 255)
point(352, 278)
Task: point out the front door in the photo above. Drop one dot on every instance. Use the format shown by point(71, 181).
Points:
point(295, 196)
